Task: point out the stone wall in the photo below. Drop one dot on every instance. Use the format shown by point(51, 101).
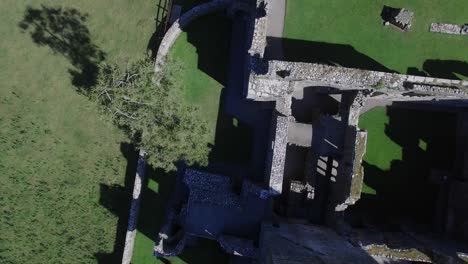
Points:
point(345, 188)
point(289, 243)
point(276, 155)
point(258, 44)
point(270, 80)
point(278, 78)
point(177, 27)
point(449, 29)
point(134, 209)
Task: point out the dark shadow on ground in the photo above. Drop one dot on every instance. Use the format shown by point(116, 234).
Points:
point(324, 53)
point(161, 24)
point(64, 31)
point(405, 191)
point(233, 139)
point(448, 69)
point(312, 105)
point(211, 36)
point(117, 199)
point(157, 191)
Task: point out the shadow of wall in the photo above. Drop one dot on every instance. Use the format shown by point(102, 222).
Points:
point(161, 24)
point(117, 199)
point(405, 190)
point(325, 53)
point(211, 36)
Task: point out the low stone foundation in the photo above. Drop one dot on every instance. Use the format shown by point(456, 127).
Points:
point(449, 29)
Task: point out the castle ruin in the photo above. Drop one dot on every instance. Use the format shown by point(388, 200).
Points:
point(295, 212)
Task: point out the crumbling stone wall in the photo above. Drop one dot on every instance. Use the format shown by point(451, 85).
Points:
point(134, 209)
point(278, 78)
point(346, 188)
point(258, 44)
point(177, 27)
point(449, 29)
point(270, 80)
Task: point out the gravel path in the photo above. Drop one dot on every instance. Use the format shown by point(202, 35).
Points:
point(277, 13)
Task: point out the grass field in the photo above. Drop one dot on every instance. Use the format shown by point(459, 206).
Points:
point(62, 168)
point(404, 147)
point(350, 33)
point(374, 122)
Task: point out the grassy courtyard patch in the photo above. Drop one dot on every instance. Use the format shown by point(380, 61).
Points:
point(374, 122)
point(351, 34)
point(404, 148)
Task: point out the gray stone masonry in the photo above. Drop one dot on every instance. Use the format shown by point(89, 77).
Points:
point(405, 18)
point(346, 187)
point(449, 28)
point(176, 28)
point(289, 243)
point(276, 156)
point(258, 45)
point(210, 188)
point(134, 209)
point(267, 84)
point(238, 246)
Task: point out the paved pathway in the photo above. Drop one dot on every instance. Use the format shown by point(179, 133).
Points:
point(277, 13)
point(372, 103)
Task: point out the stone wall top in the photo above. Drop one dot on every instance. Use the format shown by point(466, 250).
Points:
point(258, 45)
point(449, 29)
point(277, 154)
point(273, 79)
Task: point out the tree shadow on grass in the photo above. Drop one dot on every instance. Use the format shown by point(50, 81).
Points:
point(64, 31)
point(405, 190)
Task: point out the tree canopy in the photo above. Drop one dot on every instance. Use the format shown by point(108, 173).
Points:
point(152, 109)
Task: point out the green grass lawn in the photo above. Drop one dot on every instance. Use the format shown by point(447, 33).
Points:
point(374, 122)
point(404, 147)
point(58, 159)
point(350, 33)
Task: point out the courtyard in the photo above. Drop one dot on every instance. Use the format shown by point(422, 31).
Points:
point(351, 34)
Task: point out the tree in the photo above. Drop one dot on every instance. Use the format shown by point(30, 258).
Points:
point(152, 109)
